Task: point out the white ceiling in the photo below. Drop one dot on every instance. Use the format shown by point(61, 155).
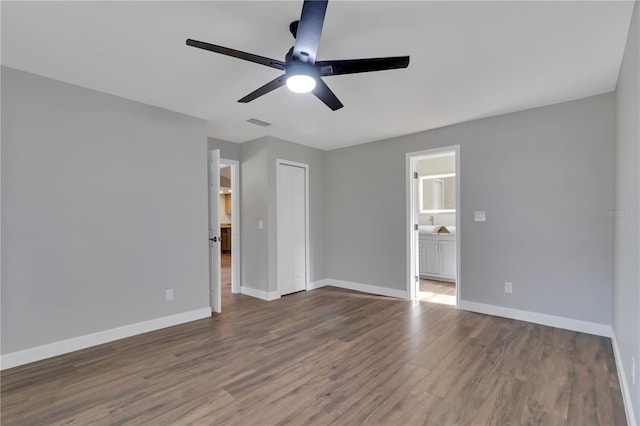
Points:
point(468, 59)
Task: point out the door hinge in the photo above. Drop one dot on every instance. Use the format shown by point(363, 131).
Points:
point(417, 278)
point(415, 227)
point(415, 175)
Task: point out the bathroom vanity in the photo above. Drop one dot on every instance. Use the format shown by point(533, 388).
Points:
point(437, 256)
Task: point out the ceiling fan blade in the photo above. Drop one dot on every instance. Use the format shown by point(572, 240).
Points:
point(270, 86)
point(309, 30)
point(237, 54)
point(325, 94)
point(352, 66)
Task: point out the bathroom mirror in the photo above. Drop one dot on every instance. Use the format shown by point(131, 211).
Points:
point(438, 193)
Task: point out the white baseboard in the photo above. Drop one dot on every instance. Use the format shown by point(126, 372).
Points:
point(318, 284)
point(49, 350)
point(537, 318)
point(268, 296)
point(364, 288)
point(367, 288)
point(624, 385)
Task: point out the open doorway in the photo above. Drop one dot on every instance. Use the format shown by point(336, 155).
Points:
point(433, 232)
point(229, 230)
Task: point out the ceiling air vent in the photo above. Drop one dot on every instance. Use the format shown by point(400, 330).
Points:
point(258, 122)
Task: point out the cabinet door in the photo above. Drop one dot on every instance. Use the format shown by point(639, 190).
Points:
point(448, 258)
point(431, 261)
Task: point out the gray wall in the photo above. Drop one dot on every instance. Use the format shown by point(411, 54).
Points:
point(258, 197)
point(104, 206)
point(254, 194)
point(544, 177)
point(228, 150)
point(626, 299)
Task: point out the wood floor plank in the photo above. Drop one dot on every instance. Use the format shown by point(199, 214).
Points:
point(537, 417)
point(619, 415)
point(328, 356)
point(193, 411)
point(553, 381)
point(371, 388)
point(98, 414)
point(524, 353)
point(591, 350)
point(398, 389)
point(505, 404)
point(414, 409)
point(590, 401)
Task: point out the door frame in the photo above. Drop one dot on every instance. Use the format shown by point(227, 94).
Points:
point(413, 218)
point(213, 212)
point(281, 162)
point(235, 223)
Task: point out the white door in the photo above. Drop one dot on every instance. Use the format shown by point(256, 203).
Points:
point(421, 262)
point(292, 227)
point(215, 287)
point(419, 252)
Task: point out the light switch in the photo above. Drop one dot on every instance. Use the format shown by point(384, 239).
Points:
point(260, 224)
point(479, 216)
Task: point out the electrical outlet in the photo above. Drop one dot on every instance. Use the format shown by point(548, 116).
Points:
point(633, 371)
point(168, 295)
point(508, 287)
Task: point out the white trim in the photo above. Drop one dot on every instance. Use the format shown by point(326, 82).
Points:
point(438, 278)
point(624, 385)
point(318, 284)
point(367, 288)
point(213, 214)
point(49, 350)
point(441, 175)
point(458, 229)
point(538, 318)
point(411, 159)
point(412, 219)
point(259, 294)
point(280, 161)
point(235, 223)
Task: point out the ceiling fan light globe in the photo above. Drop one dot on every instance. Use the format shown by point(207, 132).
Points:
point(301, 83)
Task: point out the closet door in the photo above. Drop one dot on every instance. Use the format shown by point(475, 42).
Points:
point(292, 228)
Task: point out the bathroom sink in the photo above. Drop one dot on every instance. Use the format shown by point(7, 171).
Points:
point(427, 229)
point(437, 229)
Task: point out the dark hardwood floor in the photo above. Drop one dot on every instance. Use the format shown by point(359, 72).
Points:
point(328, 356)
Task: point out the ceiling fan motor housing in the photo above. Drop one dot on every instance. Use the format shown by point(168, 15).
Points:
point(301, 68)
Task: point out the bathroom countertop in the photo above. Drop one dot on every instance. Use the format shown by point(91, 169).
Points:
point(433, 229)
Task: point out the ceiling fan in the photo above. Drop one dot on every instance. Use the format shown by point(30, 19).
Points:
point(301, 70)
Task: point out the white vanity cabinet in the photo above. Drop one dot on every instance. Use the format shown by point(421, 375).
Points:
point(438, 257)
